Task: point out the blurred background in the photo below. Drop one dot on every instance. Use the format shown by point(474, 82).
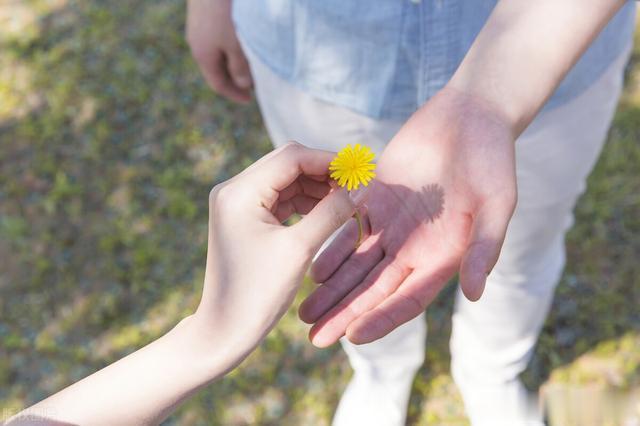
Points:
point(109, 143)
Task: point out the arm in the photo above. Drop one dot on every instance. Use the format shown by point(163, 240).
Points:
point(144, 387)
point(525, 50)
point(254, 268)
point(446, 185)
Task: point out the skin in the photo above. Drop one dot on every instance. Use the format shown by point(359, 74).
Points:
point(450, 176)
point(461, 141)
point(449, 173)
point(425, 224)
point(245, 293)
point(215, 47)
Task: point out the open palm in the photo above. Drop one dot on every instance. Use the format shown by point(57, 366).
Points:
point(442, 200)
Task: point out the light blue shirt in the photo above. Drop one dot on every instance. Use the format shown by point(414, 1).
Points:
point(385, 58)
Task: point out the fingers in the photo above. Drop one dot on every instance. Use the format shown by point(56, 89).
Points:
point(301, 204)
point(215, 47)
point(325, 218)
point(238, 69)
point(284, 174)
point(300, 197)
point(487, 235)
point(305, 185)
point(411, 298)
point(350, 274)
point(213, 66)
point(383, 279)
point(281, 168)
point(339, 250)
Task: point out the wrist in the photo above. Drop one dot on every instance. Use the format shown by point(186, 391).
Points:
point(463, 112)
point(213, 347)
point(472, 99)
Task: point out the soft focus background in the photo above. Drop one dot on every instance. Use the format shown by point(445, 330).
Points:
point(109, 144)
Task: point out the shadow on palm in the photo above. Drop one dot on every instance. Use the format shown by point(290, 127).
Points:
point(413, 244)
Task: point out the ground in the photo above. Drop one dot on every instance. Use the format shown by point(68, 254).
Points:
point(109, 144)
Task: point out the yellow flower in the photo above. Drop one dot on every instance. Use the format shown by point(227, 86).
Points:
point(353, 166)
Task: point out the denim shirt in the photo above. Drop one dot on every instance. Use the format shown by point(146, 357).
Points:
point(385, 58)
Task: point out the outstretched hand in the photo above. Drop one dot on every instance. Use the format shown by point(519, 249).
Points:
point(443, 198)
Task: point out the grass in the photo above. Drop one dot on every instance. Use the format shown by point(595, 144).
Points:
point(109, 144)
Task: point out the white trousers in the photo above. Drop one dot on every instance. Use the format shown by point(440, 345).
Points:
point(493, 339)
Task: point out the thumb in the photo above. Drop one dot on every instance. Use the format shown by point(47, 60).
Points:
point(328, 215)
point(487, 235)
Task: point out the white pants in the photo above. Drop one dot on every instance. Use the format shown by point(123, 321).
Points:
point(492, 340)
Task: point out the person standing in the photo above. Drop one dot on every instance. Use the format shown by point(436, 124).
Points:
point(487, 117)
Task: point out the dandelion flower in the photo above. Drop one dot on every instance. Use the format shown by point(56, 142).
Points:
point(353, 166)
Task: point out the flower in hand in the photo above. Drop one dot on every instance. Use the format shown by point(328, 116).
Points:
point(353, 166)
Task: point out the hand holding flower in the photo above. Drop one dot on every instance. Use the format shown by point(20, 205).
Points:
point(254, 264)
point(254, 268)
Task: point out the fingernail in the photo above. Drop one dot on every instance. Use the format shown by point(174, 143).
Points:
point(361, 335)
point(243, 81)
point(359, 196)
point(475, 293)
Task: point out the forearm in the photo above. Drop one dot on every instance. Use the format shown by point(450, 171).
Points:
point(144, 387)
point(254, 269)
point(524, 51)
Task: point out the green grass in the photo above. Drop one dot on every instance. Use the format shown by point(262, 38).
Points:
point(109, 144)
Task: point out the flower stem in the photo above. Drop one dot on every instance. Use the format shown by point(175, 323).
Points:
point(359, 220)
